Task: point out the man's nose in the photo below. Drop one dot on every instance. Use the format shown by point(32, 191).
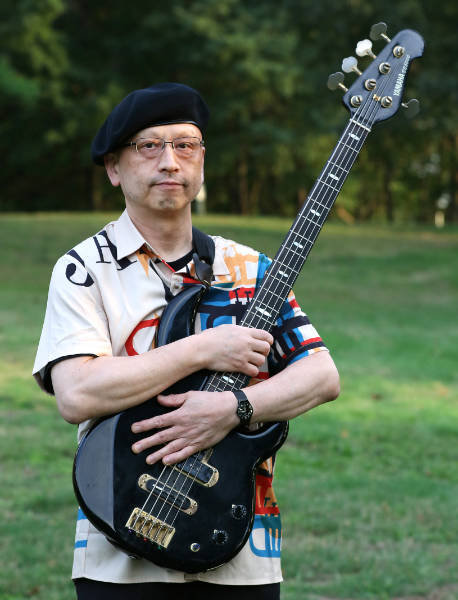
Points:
point(168, 159)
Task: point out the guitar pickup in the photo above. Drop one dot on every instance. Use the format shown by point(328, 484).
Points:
point(149, 527)
point(168, 494)
point(197, 468)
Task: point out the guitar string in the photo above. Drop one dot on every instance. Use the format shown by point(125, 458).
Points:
point(192, 480)
point(321, 200)
point(166, 502)
point(354, 143)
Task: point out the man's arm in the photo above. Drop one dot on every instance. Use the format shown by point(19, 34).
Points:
point(202, 419)
point(87, 387)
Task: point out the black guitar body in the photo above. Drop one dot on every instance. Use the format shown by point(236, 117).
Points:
point(191, 517)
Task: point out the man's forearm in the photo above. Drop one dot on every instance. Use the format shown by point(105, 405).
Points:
point(87, 387)
point(300, 387)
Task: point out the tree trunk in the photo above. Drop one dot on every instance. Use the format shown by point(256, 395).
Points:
point(387, 192)
point(452, 209)
point(97, 175)
point(243, 186)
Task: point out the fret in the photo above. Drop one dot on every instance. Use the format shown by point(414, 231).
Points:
point(286, 266)
point(329, 185)
point(338, 166)
point(294, 252)
point(312, 221)
point(274, 295)
point(350, 148)
point(325, 206)
point(303, 237)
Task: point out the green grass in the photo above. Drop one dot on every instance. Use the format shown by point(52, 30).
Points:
point(367, 484)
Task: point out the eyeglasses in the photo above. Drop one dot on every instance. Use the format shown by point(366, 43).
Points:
point(185, 147)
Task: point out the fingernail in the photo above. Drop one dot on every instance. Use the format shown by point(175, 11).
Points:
point(135, 428)
point(136, 447)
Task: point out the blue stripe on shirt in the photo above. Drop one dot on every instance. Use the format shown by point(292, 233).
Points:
point(81, 515)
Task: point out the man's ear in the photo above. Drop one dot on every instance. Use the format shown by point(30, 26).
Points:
point(202, 175)
point(112, 168)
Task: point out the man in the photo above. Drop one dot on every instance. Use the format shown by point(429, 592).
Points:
point(97, 351)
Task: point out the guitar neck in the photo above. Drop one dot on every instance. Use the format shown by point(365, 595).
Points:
point(292, 254)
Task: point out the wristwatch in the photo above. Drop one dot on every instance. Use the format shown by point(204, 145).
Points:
point(244, 409)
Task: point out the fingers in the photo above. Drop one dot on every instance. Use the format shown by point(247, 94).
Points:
point(235, 348)
point(173, 453)
point(173, 400)
point(260, 334)
point(159, 438)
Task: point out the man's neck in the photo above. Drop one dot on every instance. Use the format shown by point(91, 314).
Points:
point(170, 238)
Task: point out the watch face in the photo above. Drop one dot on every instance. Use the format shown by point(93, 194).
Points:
point(244, 411)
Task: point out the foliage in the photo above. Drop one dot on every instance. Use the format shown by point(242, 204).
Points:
point(262, 67)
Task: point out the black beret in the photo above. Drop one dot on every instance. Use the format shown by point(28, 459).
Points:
point(160, 104)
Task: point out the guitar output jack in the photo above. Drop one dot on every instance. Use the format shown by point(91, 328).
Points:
point(195, 547)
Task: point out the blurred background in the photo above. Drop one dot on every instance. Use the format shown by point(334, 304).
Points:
point(262, 67)
point(368, 484)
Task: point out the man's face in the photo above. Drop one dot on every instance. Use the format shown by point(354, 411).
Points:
point(164, 185)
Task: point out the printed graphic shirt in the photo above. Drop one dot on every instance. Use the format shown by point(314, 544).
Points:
point(106, 298)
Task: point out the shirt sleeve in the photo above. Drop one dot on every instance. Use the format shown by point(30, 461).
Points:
point(294, 335)
point(75, 323)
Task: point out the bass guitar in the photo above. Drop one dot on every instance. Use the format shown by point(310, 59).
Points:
point(198, 514)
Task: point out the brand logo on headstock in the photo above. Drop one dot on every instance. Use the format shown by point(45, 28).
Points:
point(400, 79)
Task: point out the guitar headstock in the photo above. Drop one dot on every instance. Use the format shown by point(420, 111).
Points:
point(376, 94)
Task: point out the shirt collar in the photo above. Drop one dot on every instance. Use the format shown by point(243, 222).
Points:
point(129, 240)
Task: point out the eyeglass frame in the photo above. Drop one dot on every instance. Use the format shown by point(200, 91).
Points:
point(164, 142)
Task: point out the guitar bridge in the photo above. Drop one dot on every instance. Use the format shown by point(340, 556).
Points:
point(149, 527)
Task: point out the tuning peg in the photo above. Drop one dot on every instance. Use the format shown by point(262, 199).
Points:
point(412, 108)
point(335, 81)
point(378, 32)
point(364, 47)
point(350, 64)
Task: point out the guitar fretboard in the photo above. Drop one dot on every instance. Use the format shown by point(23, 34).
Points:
point(292, 254)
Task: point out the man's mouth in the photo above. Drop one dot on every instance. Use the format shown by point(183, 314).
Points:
point(168, 183)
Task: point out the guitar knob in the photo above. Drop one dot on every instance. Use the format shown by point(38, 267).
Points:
point(219, 537)
point(239, 511)
point(364, 48)
point(378, 32)
point(335, 81)
point(350, 64)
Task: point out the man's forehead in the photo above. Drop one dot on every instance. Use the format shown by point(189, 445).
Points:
point(171, 130)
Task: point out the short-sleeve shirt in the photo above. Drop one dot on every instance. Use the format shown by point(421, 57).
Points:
point(106, 298)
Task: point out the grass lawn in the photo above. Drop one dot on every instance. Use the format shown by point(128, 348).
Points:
point(367, 485)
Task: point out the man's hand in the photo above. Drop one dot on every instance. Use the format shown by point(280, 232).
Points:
point(234, 348)
point(200, 420)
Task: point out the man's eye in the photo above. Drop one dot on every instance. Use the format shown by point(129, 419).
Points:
point(153, 144)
